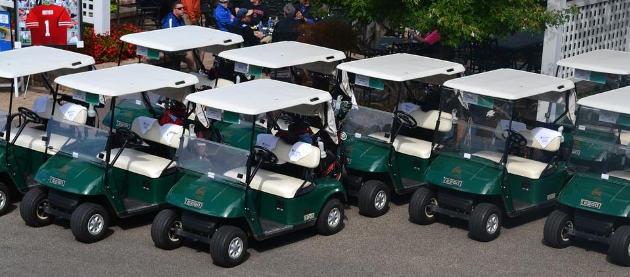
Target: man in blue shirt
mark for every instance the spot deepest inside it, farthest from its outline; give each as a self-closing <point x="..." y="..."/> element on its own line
<point x="174" y="18"/>
<point x="223" y="16"/>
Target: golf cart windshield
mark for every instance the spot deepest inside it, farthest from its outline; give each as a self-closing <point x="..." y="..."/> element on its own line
<point x="80" y="141"/>
<point x="361" y="122"/>
<point x="209" y="158"/>
<point x="600" y="142"/>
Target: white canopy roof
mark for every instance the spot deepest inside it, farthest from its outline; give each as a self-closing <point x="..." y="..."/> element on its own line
<point x="401" y="67"/>
<point x="182" y="38"/>
<point x="282" y="54"/>
<point x="259" y="96"/>
<point x="509" y="84"/>
<point x="39" y="59"/>
<point x="615" y="100"/>
<point x="607" y="61"/>
<point x="127" y="79"/>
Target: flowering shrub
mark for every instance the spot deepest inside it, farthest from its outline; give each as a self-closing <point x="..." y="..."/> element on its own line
<point x="106" y="47"/>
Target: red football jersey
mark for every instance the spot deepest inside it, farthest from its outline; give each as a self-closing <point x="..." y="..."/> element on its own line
<point x="48" y="25"/>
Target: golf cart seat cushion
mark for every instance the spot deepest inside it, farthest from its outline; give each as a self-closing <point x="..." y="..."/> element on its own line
<point x="80" y="118"/>
<point x="428" y="120"/>
<point x="406" y="145"/>
<point x="270" y="182"/>
<point x="283" y="149"/>
<point x="624" y="137"/>
<point x="620" y="174"/>
<point x="154" y="134"/>
<point x="140" y="163"/>
<point x="553" y="146"/>
<point x="516" y="165"/>
<point x="31" y="138"/>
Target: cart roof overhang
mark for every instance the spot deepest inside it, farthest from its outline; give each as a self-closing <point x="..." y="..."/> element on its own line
<point x="401" y="67"/>
<point x="510" y="84"/>
<point x="127" y="79"/>
<point x="283" y="54"/>
<point x="606" y="61"/>
<point x="39" y="59"/>
<point x="259" y="96"/>
<point x="182" y="38"/>
<point x="615" y="100"/>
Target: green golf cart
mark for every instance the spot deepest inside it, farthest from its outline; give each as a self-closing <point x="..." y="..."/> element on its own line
<point x="23" y="143"/>
<point x="595" y="203"/>
<point x="390" y="151"/>
<point x="597" y="71"/>
<point x="96" y="173"/>
<point x="229" y="195"/>
<point x="501" y="156"/>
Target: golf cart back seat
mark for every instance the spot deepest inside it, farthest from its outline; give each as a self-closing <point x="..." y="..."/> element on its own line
<point x="417" y="147"/>
<point x="622" y="174"/>
<point x="145" y="164"/>
<point x="524" y="167"/>
<point x="283" y="149"/>
<point x="34" y="139"/>
<point x="270" y="182"/>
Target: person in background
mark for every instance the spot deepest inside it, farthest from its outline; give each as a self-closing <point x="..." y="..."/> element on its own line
<point x="303" y="9"/>
<point x="193" y="10"/>
<point x="224" y="18"/>
<point x="176" y="19"/>
<point x="429" y="39"/>
<point x="243" y="28"/>
<point x="287" y="28"/>
<point x="260" y="11"/>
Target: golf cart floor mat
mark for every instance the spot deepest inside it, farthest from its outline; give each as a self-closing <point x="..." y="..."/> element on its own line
<point x="132" y="204"/>
<point x="271" y="227"/>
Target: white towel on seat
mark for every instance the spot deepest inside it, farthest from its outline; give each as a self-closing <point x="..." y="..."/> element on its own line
<point x="168" y="130"/>
<point x="71" y="110"/>
<point x="146" y="123"/>
<point x="268" y="141"/>
<point x="544" y="136"/>
<point x="39" y="106"/>
<point x="299" y="151"/>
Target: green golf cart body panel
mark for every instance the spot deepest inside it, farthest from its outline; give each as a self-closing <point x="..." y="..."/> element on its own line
<point x="591" y="193"/>
<point x="367" y="155"/>
<point x="128" y="110"/>
<point x="21" y="163"/>
<point x="475" y="175"/>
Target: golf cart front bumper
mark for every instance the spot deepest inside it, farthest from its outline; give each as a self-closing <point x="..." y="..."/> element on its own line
<point x="61" y="204"/>
<point x="197" y="227"/>
<point x="454" y="205"/>
<point x="591" y="226"/>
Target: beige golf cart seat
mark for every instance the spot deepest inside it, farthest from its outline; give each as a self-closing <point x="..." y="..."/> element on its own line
<point x="275" y="183"/>
<point x="520" y="166"/>
<point x="417" y="147"/>
<point x="142" y="163"/>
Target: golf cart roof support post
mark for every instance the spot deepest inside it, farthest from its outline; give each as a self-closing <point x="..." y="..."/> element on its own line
<point x="437" y="123"/>
<point x="248" y="177"/>
<point x="508" y="144"/>
<point x="122" y="45"/>
<point x="54" y="93"/>
<point x="7" y="128"/>
<point x="570" y="151"/>
<point x="108" y="147"/>
<point x="198" y="60"/>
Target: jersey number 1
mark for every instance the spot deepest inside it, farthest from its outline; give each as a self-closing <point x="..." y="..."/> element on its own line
<point x="47" y="28"/>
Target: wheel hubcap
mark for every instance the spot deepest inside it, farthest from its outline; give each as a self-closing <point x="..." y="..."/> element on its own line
<point x="95" y="224"/>
<point x="427" y="209"/>
<point x="3" y="200"/>
<point x="380" y="199"/>
<point x="172" y="232"/>
<point x="564" y="234"/>
<point x="41" y="214"/>
<point x="493" y="224"/>
<point x="334" y="217"/>
<point x="236" y="248"/>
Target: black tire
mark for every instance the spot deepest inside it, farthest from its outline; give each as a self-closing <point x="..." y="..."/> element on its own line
<point x="89" y="222"/>
<point x="620" y="245"/>
<point x="221" y="243"/>
<point x="369" y="205"/>
<point x="556" y="229"/>
<point x="163" y="230"/>
<point x="5" y="198"/>
<point x="480" y="226"/>
<point x="419" y="206"/>
<point x="31" y="208"/>
<point x="330" y="219"/>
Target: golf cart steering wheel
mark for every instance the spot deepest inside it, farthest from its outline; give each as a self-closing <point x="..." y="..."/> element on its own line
<point x="515" y="138"/>
<point x="405" y="119"/>
<point x="129" y="136"/>
<point x="29" y="115"/>
<point x="265" y="155"/>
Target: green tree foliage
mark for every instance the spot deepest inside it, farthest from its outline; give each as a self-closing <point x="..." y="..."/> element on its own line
<point x="457" y="20"/>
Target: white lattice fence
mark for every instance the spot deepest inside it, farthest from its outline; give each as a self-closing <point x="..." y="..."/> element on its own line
<point x="601" y="24"/>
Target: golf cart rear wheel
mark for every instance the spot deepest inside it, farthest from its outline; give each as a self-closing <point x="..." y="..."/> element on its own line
<point x="5" y="198"/>
<point x="619" y="248"/>
<point x="373" y="198"/>
<point x="164" y="228"/>
<point x="228" y="246"/>
<point x="556" y="232"/>
<point x="420" y="206"/>
<point x="89" y="222"/>
<point x="32" y="208"/>
<point x="485" y="222"/>
<point x="330" y="219"/>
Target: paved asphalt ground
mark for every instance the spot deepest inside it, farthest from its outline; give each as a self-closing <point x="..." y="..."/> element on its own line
<point x="389" y="245"/>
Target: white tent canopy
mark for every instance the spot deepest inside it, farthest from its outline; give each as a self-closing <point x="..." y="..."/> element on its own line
<point x="39" y="59"/>
<point x="401" y="67"/>
<point x="127" y="79"/>
<point x="606" y="61"/>
<point x="614" y="100"/>
<point x="184" y="38"/>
